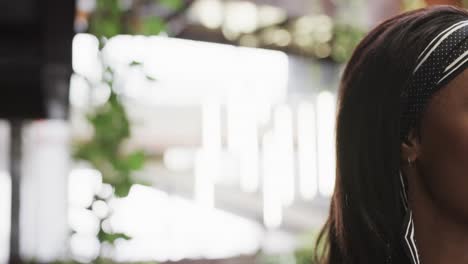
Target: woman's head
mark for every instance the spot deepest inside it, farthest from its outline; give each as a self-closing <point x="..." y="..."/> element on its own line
<point x="366" y="215"/>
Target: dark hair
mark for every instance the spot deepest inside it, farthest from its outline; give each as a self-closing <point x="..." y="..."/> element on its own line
<point x="366" y="214"/>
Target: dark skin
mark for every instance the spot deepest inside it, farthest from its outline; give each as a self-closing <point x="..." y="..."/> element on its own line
<point x="438" y="175"/>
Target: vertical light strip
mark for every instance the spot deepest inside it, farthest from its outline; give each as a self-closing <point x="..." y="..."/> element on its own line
<point x="233" y="112"/>
<point x="211" y="125"/>
<point x="326" y="142"/>
<point x="307" y="150"/>
<point x="44" y="208"/>
<point x="204" y="179"/>
<point x="249" y="153"/>
<point x="208" y="157"/>
<point x="283" y="129"/>
<point x="242" y="135"/>
<point x="5" y="214"/>
<point x="234" y="124"/>
<point x="272" y="204"/>
<point x="5" y="191"/>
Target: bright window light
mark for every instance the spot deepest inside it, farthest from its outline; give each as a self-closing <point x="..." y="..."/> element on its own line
<point x="307" y="150"/>
<point x="283" y="132"/>
<point x="326" y="142"/>
<point x="272" y="202"/>
<point x="5" y="209"/>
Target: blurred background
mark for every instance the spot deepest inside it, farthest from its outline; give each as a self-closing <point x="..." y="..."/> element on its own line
<point x="172" y="131"/>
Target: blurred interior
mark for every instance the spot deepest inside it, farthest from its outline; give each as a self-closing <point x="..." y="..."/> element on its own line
<point x="232" y="104"/>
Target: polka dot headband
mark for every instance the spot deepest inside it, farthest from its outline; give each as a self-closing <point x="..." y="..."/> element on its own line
<point x="444" y="58"/>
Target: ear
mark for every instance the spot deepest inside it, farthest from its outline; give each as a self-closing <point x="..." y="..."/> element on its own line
<point x="410" y="148"/>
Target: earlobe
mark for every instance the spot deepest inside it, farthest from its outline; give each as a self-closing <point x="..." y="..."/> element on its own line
<point x="409" y="148"/>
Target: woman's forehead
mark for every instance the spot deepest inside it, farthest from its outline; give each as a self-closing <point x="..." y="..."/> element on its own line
<point x="456" y="89"/>
<point x="460" y="80"/>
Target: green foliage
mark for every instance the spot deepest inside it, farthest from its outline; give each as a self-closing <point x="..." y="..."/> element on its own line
<point x="106" y="21"/>
<point x="110" y="238"/>
<point x="109" y="121"/>
<point x="135" y="63"/>
<point x="413" y="4"/>
<point x="277" y="259"/>
<point x="103" y="150"/>
<point x="135" y="160"/>
<point x="111" y="129"/>
<point x="151" y="26"/>
<point x="346" y="38"/>
<point x="172" y="4"/>
<point x="307" y="253"/>
<point x="110" y="18"/>
<point x="305" y="256"/>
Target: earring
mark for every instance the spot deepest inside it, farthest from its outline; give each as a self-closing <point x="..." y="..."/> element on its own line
<point x="409" y="161"/>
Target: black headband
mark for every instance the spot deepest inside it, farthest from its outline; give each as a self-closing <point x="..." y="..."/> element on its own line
<point x="441" y="61"/>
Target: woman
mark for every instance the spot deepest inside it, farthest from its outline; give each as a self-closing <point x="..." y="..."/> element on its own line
<point x="401" y="193"/>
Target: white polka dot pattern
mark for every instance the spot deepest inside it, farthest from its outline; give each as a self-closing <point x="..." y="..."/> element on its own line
<point x="443" y="59"/>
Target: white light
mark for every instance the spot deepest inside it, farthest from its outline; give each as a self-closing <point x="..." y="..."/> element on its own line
<point x="211" y="125"/>
<point x="134" y="83"/>
<point x="83" y="184"/>
<point x="106" y="191"/>
<point x="283" y="129"/>
<point x="4" y="141"/>
<point x="192" y="70"/>
<point x="314" y="24"/>
<point x="84" y="248"/>
<point x="326" y="142"/>
<point x="206" y="171"/>
<point x="240" y="17"/>
<point x="267" y="77"/>
<point x="242" y="136"/>
<point x="166" y="227"/>
<point x="100" y="94"/>
<point x="106" y="226"/>
<point x="249" y="40"/>
<point x="100" y="209"/>
<point x="79" y="92"/>
<point x="85" y="59"/>
<point x="279" y="242"/>
<point x="43" y="210"/>
<point x="120" y="51"/>
<point x="234" y="119"/>
<point x="142" y="213"/>
<point x="270" y="15"/>
<point x="276" y="36"/>
<point x="86" y="6"/>
<point x="5" y="210"/>
<point x="208" y="12"/>
<point x="208" y="158"/>
<point x="83" y="221"/>
<point x="5" y="192"/>
<point x="272" y="203"/>
<point x="307" y="150"/>
<point x="178" y="159"/>
<point x="234" y="128"/>
<point x="249" y="156"/>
